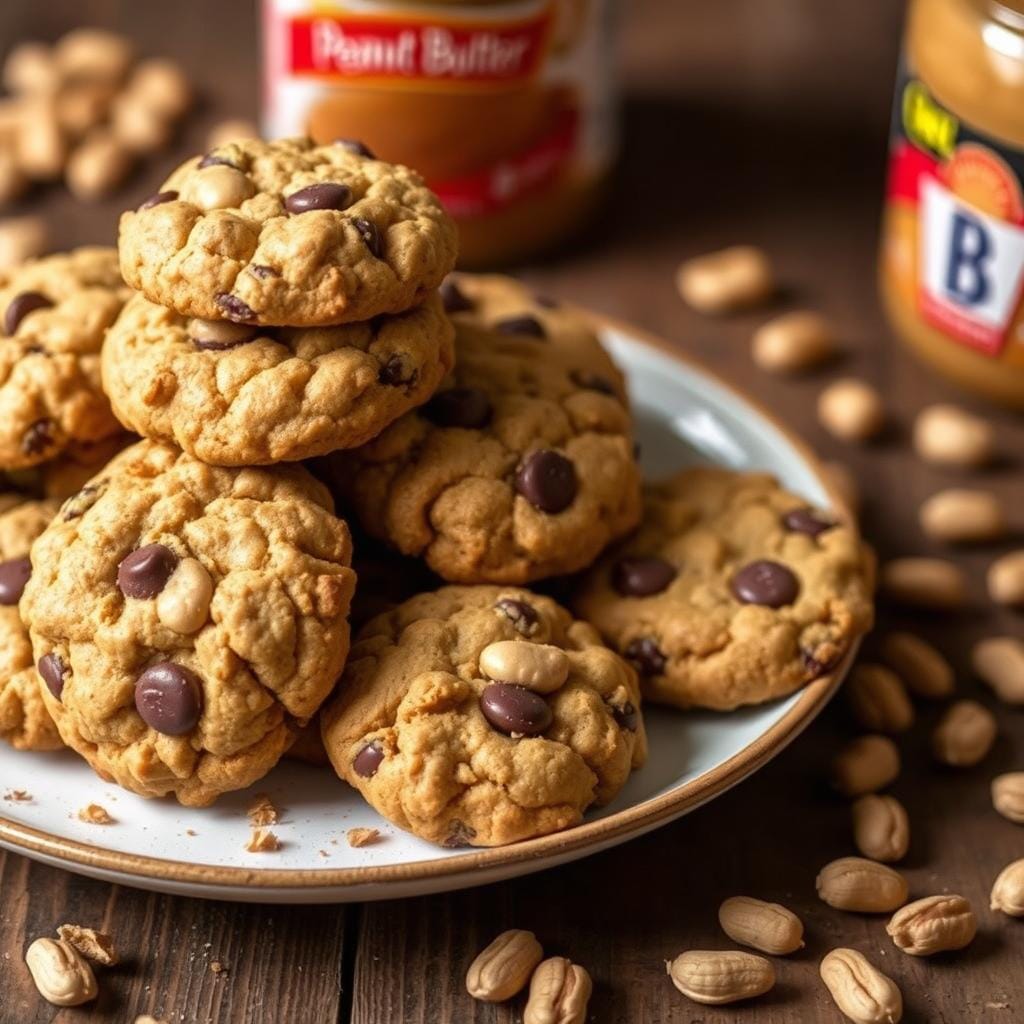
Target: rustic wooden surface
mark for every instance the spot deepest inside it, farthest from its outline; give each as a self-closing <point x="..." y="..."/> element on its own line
<point x="741" y="126"/>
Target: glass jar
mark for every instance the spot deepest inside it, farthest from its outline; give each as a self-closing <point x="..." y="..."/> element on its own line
<point x="952" y="261"/>
<point x="506" y="108"/>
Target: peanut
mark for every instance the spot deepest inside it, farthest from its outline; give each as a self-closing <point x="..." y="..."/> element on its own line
<point x="21" y="239"/>
<point x="97" y="166"/>
<point x="230" y="131"/>
<point x="951" y="436"/>
<point x="93" y="53"/>
<point x="793" y="342"/>
<point x="881" y="829"/>
<point x="502" y="969"/>
<point x="218" y="332"/>
<point x="964" y="734"/>
<point x="840" y="479"/>
<point x="1008" y="796"/>
<point x="83" y="106"/>
<point x="137" y="126"/>
<point x="715" y="978"/>
<point x="925" y="582"/>
<point x="13" y="182"/>
<point x="1005" y="579"/>
<point x="963" y="516"/>
<point x="40" y="147"/>
<point x="879" y="699"/>
<point x="855" y="883"/>
<point x="30" y="68"/>
<point x="184" y="603"/>
<point x="999" y="661"/>
<point x="865" y="765"/>
<point x="851" y="410"/>
<point x="933" y="925"/>
<point x="861" y="991"/>
<point x="161" y="86"/>
<point x="1008" y="890"/>
<point x="559" y="993"/>
<point x="218" y="187"/>
<point x="542" y="668"/>
<point x="924" y="670"/>
<point x="769" y="927"/>
<point x="60" y="973"/>
<point x="729" y="279"/>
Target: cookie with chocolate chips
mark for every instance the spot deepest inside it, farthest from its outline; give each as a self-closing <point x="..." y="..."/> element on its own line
<point x="188" y="620"/>
<point x="237" y="395"/>
<point x="482" y="716"/>
<point x="55" y="312"/>
<point x="732" y="591"/>
<point x="521" y="466"/>
<point x="288" y="233"/>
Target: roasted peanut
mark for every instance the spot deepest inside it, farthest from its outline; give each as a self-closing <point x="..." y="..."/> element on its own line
<point x="83" y="106"/>
<point x="729" y="279"/>
<point x="21" y="239"/>
<point x="504" y="967"/>
<point x="1008" y="890"/>
<point x="769" y="927"/>
<point x="559" y="993"/>
<point x="881" y="829"/>
<point x="840" y="479"/>
<point x="715" y="978"/>
<point x="855" y="883"/>
<point x="1008" y="796"/>
<point x="964" y="734"/>
<point x="865" y="765"/>
<point x="137" y="126"/>
<point x="963" y="516"/>
<point x="951" y="436"/>
<point x="161" y="86"/>
<point x="925" y="582"/>
<point x="218" y="333"/>
<point x="93" y="53"/>
<point x="218" y="187"/>
<point x="933" y="925"/>
<point x="97" y="166"/>
<point x="924" y="670"/>
<point x="793" y="342"/>
<point x="30" y="68"/>
<point x="879" y="699"/>
<point x="184" y="603"/>
<point x="542" y="668"/>
<point x="851" y="410"/>
<point x="61" y="974"/>
<point x="860" y="990"/>
<point x="13" y="182"/>
<point x="230" y="131"/>
<point x="999" y="661"/>
<point x="40" y="147"/>
<point x="1005" y="579"/>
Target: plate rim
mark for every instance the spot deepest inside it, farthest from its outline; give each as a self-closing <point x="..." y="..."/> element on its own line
<point x="600" y="833"/>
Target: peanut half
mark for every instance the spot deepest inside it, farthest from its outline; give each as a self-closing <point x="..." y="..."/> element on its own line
<point x="933" y="925"/>
<point x="854" y="883"/>
<point x="1008" y="890"/>
<point x="925" y="583"/>
<point x="963" y="516"/>
<point x="559" y="993"/>
<point x="865" y="765"/>
<point x="860" y="990"/>
<point x="1008" y="796"/>
<point x="793" y="342"/>
<point x="950" y="436"/>
<point x="1005" y="579"/>
<point x="723" y="281"/>
<point x="878" y="699"/>
<point x="184" y="603"/>
<point x="964" y="734"/>
<point x="851" y="410"/>
<point x="881" y="828"/>
<point x="60" y="973"/>
<point x="999" y="661"/>
<point x="715" y="978"/>
<point x="769" y="927"/>
<point x="542" y="668"/>
<point x="504" y="967"/>
<point x="921" y="667"/>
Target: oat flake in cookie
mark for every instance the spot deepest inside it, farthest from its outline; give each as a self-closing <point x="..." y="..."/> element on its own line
<point x="732" y="591"/>
<point x="480" y="716"/>
<point x="187" y="620"/>
<point x="288" y="232"/>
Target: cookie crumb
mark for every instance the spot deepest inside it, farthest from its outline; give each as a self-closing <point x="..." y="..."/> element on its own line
<point x="217" y="967"/>
<point x="94" y="814"/>
<point x="362" y="836"/>
<point x="145" y="1018"/>
<point x="262" y="811"/>
<point x="191" y="832"/>
<point x="262" y="840"/>
<point x="18" y="796"/>
<point x="93" y="945"/>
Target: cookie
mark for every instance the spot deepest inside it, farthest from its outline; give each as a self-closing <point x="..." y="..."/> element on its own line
<point x="24" y="721"/>
<point x="483" y="716"/>
<point x="522" y="465"/>
<point x="731" y="592"/>
<point x="234" y="395"/>
<point x="55" y="312"/>
<point x="187" y="620"/>
<point x="288" y="233"/>
<point x="78" y="464"/>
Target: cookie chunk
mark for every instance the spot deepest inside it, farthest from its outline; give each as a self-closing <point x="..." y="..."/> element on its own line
<point x="235" y="395"/>
<point x="24" y="721"/>
<point x="288" y="233"/>
<point x="732" y="591"/>
<point x="186" y="620"/>
<point x="55" y="312"/>
<point x="482" y="716"/>
<point x="522" y="465"/>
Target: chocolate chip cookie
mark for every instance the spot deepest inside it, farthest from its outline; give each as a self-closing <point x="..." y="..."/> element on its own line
<point x="24" y="721"/>
<point x="483" y="716"/>
<point x="55" y="312"/>
<point x="732" y="591"/>
<point x="238" y="395"/>
<point x="288" y="233"/>
<point x="522" y="465"/>
<point x="186" y="620"/>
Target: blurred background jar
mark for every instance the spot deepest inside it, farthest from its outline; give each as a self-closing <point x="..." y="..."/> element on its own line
<point x="952" y="266"/>
<point x="508" y="109"/>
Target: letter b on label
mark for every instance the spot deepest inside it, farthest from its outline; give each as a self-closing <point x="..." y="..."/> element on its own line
<point x="970" y="251"/>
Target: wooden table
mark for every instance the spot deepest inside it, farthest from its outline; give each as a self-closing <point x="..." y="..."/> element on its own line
<point x="740" y="127"/>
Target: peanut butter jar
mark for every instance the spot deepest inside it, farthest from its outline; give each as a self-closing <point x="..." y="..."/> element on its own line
<point x="508" y="109"/>
<point x="952" y="261"/>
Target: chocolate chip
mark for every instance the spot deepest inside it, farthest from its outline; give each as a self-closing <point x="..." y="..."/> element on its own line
<point x="641" y="577"/>
<point x="523" y="616"/>
<point x="765" y="583"/>
<point x="646" y="656"/>
<point x="459" y="407"/>
<point x="514" y="709"/>
<point x="20" y="306"/>
<point x="212" y="160"/>
<point x="168" y="698"/>
<point x="38" y="437"/>
<point x="52" y="669"/>
<point x="627" y="716"/>
<point x="158" y="199"/>
<point x="454" y="298"/>
<point x="263" y="272"/>
<point x="234" y="308"/>
<point x="80" y="503"/>
<point x="370" y="234"/>
<point x="325" y="195"/>
<point x="459" y="834"/>
<point x="521" y="325"/>
<point x="357" y="147"/>
<point x="368" y="760"/>
<point x="547" y="480"/>
<point x="807" y="520"/>
<point x="593" y="382"/>
<point x="394" y="374"/>
<point x="145" y="572"/>
<point x="14" y="575"/>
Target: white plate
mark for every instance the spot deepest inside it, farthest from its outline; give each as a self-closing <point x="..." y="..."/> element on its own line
<point x="684" y="416"/>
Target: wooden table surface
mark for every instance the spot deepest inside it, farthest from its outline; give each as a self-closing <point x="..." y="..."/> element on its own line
<point x="740" y="126"/>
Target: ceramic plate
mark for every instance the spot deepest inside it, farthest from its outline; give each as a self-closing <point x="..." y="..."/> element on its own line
<point x="685" y="416"/>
